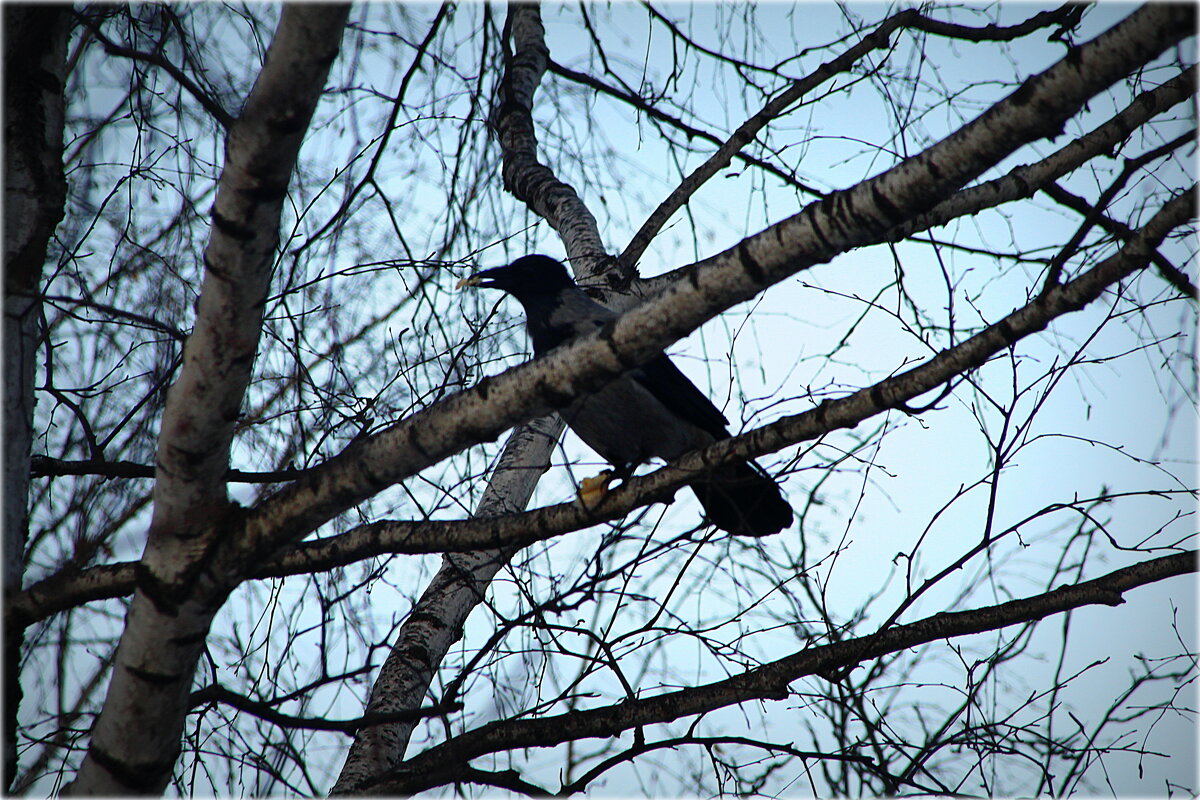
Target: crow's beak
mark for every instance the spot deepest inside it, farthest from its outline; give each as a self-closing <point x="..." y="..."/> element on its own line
<point x="489" y="279"/>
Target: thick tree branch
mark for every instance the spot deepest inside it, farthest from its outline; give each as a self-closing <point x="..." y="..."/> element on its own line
<point x="518" y="530"/>
<point x="444" y="763"/>
<point x="135" y="740"/>
<point x="1064" y="17"/>
<point x="783" y="101"/>
<point x="856" y="217"/>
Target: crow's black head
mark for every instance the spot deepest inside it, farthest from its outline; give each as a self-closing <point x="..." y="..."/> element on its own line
<point x="525" y="278"/>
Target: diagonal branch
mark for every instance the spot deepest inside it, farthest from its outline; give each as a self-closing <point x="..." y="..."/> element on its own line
<point x="782" y="102"/>
<point x="135" y="740"/>
<point x="1169" y="272"/>
<point x="865" y="214"/>
<point x="444" y="763"/>
<point x="518" y="530"/>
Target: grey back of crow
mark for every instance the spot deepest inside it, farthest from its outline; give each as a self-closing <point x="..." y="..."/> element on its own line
<point x="652" y="411"/>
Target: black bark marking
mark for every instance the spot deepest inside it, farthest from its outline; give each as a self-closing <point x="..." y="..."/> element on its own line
<point x="154" y="678"/>
<point x="145" y="777"/>
<point x="192" y="458"/>
<point x="1011" y="337"/>
<point x="606" y="335"/>
<point x="750" y="265"/>
<point x="211" y="267"/>
<point x="264" y="192"/>
<point x="230" y="228"/>
<point x="190" y="639"/>
<point x="877" y="398"/>
<point x="932" y="168"/>
<point x="160" y="594"/>
<point x="417" y="653"/>
<point x="414" y="443"/>
<point x="885" y="205"/>
<point x="1022" y="95"/>
<point x="814" y="214"/>
<point x="292" y="121"/>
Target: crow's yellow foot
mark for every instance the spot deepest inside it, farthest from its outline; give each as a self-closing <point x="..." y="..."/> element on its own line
<point x="593" y="490"/>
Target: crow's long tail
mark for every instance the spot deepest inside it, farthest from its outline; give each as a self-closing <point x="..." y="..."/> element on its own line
<point x="744" y="500"/>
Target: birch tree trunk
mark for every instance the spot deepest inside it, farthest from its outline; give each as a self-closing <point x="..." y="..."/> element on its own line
<point x="867" y="212"/>
<point x="342" y="436"/>
<point x="437" y="620"/>
<point x="136" y="739"/>
<point x="35" y="63"/>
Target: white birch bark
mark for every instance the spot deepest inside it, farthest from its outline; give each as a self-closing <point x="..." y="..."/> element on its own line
<point x="136" y="738"/>
<point x="852" y="218"/>
<point x="35" y="51"/>
<point x="437" y="620"/>
<point x="817" y="234"/>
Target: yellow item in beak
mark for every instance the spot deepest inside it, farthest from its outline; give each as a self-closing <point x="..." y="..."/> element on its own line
<point x="470" y="280"/>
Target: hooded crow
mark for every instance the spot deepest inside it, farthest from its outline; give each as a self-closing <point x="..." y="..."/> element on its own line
<point x="652" y="411"/>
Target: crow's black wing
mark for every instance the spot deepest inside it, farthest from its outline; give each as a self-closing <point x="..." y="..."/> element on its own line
<point x="681" y="397"/>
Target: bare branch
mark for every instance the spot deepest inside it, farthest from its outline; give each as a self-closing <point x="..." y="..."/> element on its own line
<point x="135" y="739"/>
<point x="210" y="103"/>
<point x="441" y="764"/>
<point x="518" y="530"/>
<point x="215" y="693"/>
<point x="782" y="103"/>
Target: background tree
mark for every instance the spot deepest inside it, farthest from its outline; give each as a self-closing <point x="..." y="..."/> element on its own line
<point x="275" y="541"/>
